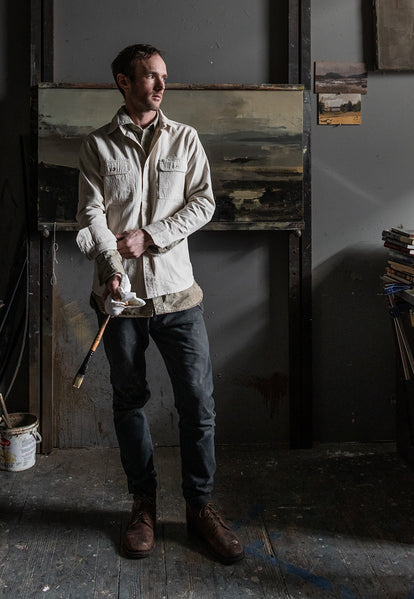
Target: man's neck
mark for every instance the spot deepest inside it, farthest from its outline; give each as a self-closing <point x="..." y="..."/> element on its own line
<point x="142" y="119"/>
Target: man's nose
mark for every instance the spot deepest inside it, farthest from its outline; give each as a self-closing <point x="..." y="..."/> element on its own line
<point x="160" y="83"/>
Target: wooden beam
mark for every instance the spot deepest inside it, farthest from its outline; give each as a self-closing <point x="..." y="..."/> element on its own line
<point x="47" y="65"/>
<point x="294" y="28"/>
<point x="34" y="332"/>
<point x="40" y="261"/>
<point x="300" y="247"/>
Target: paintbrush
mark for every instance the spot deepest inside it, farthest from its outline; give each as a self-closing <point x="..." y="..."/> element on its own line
<point x="6" y="416"/>
<point x="78" y="380"/>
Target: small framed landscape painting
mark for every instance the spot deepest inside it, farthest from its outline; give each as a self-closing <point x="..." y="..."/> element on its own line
<point x="340" y="78"/>
<point x="339" y="109"/>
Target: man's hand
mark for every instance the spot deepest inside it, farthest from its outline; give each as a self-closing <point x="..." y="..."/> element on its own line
<point x="112" y="288"/>
<point x="133" y="243"/>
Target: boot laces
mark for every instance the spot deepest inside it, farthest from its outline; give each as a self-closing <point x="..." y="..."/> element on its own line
<point x="212" y="516"/>
<point x="142" y="513"/>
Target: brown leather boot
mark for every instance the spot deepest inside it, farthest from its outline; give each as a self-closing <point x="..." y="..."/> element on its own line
<point x="138" y="538"/>
<point x="206" y="523"/>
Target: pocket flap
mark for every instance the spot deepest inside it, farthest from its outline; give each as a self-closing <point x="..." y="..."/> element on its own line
<point x="115" y="167"/>
<point x="172" y="164"/>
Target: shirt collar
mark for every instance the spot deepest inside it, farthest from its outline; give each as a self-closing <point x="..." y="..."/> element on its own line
<point x="122" y="118"/>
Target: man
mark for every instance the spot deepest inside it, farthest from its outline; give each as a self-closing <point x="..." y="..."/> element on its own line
<point x="144" y="188"/>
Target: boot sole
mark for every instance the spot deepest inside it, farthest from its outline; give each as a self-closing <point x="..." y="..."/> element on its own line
<point x="137" y="554"/>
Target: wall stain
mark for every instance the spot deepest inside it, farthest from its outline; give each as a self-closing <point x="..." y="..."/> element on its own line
<point x="273" y="390"/>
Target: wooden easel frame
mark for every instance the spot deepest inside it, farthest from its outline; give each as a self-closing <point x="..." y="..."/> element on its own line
<point x="41" y="244"/>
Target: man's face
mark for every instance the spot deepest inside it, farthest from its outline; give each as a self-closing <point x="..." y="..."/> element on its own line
<point x="145" y="93"/>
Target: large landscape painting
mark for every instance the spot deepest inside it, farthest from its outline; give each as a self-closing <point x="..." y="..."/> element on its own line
<point x="253" y="138"/>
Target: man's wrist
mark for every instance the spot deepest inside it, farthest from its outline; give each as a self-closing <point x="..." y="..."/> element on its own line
<point x="147" y="239"/>
<point x="116" y="275"/>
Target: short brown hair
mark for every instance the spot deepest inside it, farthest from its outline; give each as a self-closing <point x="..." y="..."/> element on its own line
<point x="125" y="61"/>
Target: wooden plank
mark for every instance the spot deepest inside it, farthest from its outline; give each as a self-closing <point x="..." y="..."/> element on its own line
<point x="34" y="326"/>
<point x="331" y="526"/>
<point x="378" y="515"/>
<point x="34" y="332"/>
<point x="47" y="46"/>
<point x="213" y="226"/>
<point x="22" y="538"/>
<point x="301" y="410"/>
<point x="305" y="38"/>
<point x="299" y="406"/>
<point x="182" y="86"/>
<point x="35" y="41"/>
<point x="47" y="348"/>
<point x="334" y="522"/>
<point x="299" y="30"/>
<point x="142" y="579"/>
<point x="294" y="48"/>
<point x="66" y="534"/>
<point x="91" y="561"/>
<point x="300" y="249"/>
<point x="190" y="569"/>
<point x="40" y="347"/>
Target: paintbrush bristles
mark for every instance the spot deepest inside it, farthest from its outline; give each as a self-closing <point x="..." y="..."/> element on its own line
<point x="78" y="380"/>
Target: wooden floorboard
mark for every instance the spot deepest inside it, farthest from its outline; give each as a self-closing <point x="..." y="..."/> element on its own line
<point x="334" y="522"/>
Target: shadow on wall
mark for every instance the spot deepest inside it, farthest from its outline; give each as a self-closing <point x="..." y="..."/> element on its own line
<point x="354" y="351"/>
<point x="244" y="277"/>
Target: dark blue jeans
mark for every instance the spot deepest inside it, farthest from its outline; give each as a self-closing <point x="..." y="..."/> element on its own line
<point x="182" y="340"/>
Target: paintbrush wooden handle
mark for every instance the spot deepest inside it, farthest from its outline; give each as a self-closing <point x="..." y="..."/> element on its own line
<point x="99" y="335"/>
<point x="6" y="417"/>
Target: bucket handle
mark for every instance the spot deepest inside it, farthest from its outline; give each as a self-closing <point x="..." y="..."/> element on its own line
<point x="37" y="436"/>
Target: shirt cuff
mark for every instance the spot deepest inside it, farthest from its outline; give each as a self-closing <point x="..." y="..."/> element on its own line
<point x="94" y="240"/>
<point x="109" y="263"/>
<point x="155" y="249"/>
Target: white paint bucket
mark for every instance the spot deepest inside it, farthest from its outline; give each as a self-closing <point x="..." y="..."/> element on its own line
<point x="18" y="443"/>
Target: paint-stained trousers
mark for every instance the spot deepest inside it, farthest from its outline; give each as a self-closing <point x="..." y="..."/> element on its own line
<point x="182" y="340"/>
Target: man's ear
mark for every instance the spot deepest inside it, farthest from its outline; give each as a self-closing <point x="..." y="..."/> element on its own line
<point x="123" y="81"/>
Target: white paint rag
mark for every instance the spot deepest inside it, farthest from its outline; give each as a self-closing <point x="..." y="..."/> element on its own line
<point x="128" y="298"/>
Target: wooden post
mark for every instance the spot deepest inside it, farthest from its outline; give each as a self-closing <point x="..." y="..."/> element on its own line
<point x="40" y="261"/>
<point x="300" y="247"/>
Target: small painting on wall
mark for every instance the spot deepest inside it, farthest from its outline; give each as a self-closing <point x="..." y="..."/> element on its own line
<point x="394" y="34"/>
<point x="340" y="78"/>
<point x="339" y="109"/>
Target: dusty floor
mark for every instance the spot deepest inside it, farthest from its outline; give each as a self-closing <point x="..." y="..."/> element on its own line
<point x="334" y="521"/>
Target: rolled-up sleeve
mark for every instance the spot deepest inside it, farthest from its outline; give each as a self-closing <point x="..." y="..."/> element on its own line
<point x="94" y="236"/>
<point x="199" y="200"/>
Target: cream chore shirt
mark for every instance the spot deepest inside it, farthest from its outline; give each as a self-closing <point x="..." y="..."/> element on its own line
<point x="167" y="192"/>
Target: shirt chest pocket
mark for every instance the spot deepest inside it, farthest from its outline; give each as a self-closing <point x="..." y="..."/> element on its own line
<point x="118" y="181"/>
<point x="171" y="178"/>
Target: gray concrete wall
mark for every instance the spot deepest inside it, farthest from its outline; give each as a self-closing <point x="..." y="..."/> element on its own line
<point x="363" y="182"/>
